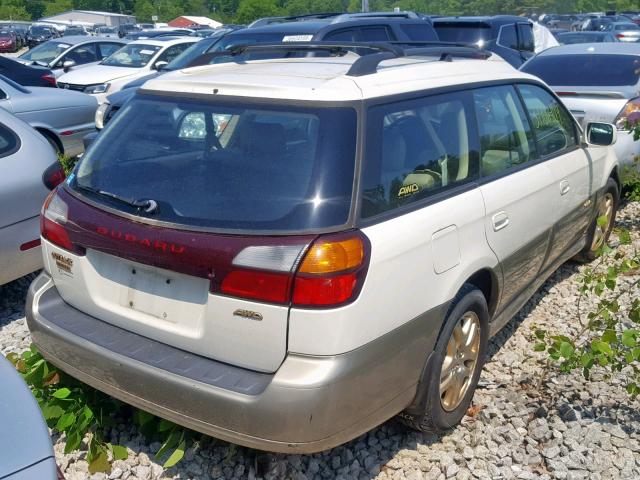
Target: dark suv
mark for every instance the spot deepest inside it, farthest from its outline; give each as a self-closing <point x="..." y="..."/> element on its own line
<point x="509" y="36"/>
<point x="369" y="27"/>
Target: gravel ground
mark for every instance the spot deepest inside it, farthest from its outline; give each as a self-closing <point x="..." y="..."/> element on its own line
<point x="571" y="429"/>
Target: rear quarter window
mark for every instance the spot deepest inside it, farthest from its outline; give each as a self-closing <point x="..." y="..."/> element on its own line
<point x="9" y="141"/>
<point x="418" y="32"/>
<point x="416" y="149"/>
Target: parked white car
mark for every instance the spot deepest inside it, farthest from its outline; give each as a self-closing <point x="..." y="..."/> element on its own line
<point x="598" y="82"/>
<point x="136" y="59"/>
<point x="286" y="253"/>
<point x="63" y="54"/>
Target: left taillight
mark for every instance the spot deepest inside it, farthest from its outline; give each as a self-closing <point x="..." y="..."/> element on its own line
<point x="332" y="271"/>
<point x="51" y="79"/>
<point x="53" y="221"/>
<point x="53" y="176"/>
<point x="629" y="113"/>
<point x="327" y="273"/>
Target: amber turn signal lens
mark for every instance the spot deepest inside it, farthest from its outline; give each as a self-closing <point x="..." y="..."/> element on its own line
<point x="336" y="256"/>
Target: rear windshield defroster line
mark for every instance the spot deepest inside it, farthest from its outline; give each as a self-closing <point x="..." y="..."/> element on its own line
<point x="239" y="167"/>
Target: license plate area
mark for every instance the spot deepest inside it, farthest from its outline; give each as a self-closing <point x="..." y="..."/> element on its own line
<point x="159" y="293"/>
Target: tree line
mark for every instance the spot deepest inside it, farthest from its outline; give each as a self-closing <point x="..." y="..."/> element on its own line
<point x="245" y="11"/>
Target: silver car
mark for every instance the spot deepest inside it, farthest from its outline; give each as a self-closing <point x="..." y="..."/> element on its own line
<point x="624" y="31"/>
<point x="26" y="452"/>
<point x="62" y="54"/>
<point x="28" y="162"/>
<point x="598" y="82"/>
<point x="63" y="117"/>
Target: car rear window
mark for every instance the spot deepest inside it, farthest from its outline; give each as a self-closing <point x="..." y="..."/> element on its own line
<point x="236" y="166"/>
<point x="463" y="32"/>
<point x="585" y="70"/>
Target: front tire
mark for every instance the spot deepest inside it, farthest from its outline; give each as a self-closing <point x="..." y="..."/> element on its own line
<point x="598" y="235"/>
<point x="456" y="365"/>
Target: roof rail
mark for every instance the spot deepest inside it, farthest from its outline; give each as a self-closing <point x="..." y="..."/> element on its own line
<point x="365" y="15"/>
<point x="335" y="49"/>
<point x="261" y="22"/>
<point x="365" y="64"/>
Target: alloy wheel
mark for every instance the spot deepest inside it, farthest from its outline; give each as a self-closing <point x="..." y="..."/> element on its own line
<point x="460" y="361"/>
<point x="605" y="209"/>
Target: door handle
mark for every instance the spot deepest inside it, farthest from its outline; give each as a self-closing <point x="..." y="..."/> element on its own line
<point x="564" y="187"/>
<point x="500" y="220"/>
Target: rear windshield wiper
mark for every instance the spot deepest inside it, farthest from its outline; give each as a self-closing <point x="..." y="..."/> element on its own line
<point x="149" y="206"/>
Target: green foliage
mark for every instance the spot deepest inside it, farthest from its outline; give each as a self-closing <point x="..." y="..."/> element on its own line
<point x="250" y="10"/>
<point x="57" y="6"/>
<point x="630" y="176"/>
<point x="14" y="10"/>
<point x="67" y="163"/>
<point x="230" y="10"/>
<point x="78" y="411"/>
<point x="610" y="335"/>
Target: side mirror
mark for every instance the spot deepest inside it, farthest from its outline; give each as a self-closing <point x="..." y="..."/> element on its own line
<point x="88" y="139"/>
<point x="160" y="65"/>
<point x="600" y="134"/>
<point x="68" y="65"/>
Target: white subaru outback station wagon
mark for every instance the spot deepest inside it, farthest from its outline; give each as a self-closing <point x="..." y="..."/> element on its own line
<point x="286" y="253"/>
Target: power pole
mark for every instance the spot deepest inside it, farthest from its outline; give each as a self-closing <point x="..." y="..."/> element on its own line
<point x="365" y="5"/>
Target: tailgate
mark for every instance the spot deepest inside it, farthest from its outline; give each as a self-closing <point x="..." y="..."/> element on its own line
<point x="590" y="107"/>
<point x="158" y="283"/>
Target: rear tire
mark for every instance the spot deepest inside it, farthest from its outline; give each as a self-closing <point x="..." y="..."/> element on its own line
<point x="597" y="235"/>
<point x="456" y="365"/>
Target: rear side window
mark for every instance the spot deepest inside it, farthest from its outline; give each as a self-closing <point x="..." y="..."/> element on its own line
<point x="83" y="54"/>
<point x="375" y="34"/>
<point x="553" y="127"/>
<point x="525" y="34"/>
<point x="9" y="141"/>
<point x="172" y="52"/>
<point x="508" y="37"/>
<point x="416" y="149"/>
<point x="506" y="139"/>
<point x="107" y="49"/>
<point x="237" y="166"/>
<point x="418" y="32"/>
<point x="599" y="70"/>
<point x="347" y="35"/>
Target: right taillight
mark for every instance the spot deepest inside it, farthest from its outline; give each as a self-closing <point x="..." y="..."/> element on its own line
<point x="629" y="113"/>
<point x="53" y="219"/>
<point x="49" y="78"/>
<point x="327" y="273"/>
<point x="53" y="176"/>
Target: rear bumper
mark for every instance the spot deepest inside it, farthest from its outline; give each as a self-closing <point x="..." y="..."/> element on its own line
<point x="310" y="404"/>
<point x="73" y="144"/>
<point x="15" y="263"/>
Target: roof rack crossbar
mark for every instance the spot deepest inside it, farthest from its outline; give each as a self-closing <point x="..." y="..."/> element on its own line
<point x="368" y="64"/>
